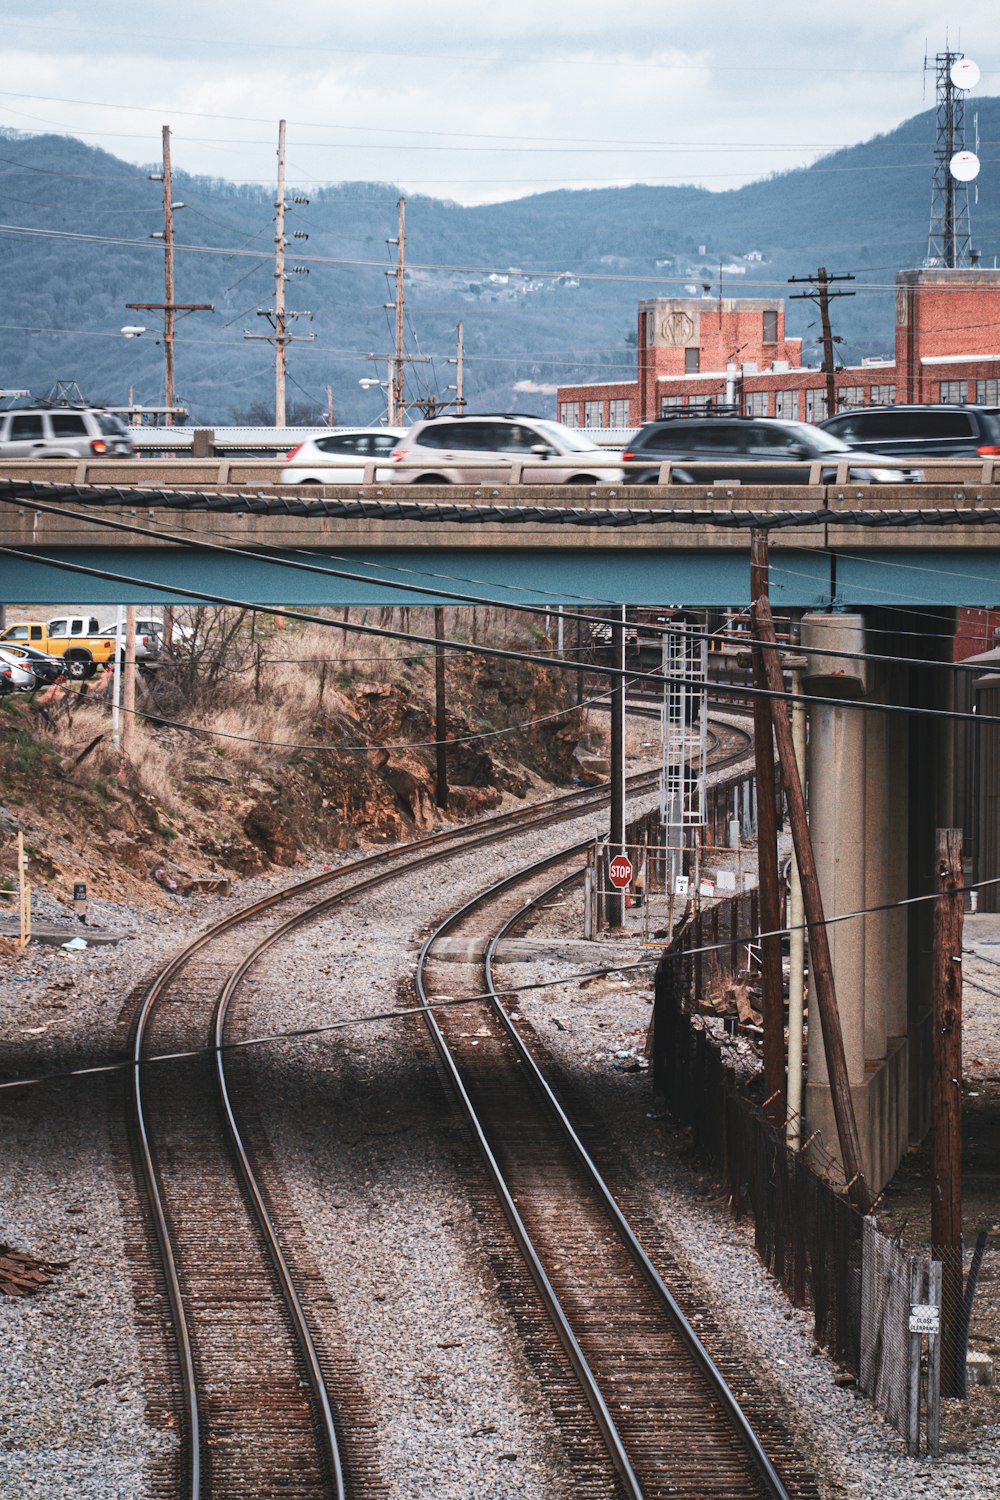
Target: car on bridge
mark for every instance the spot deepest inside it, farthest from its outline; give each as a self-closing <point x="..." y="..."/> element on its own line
<point x="340" y="457"/>
<point x="484" y="450"/>
<point x="63" y="432"/>
<point x="751" y="450"/>
<point x="920" y="431"/>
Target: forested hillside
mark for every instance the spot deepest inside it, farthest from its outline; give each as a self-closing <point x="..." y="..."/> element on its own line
<point x="863" y="210"/>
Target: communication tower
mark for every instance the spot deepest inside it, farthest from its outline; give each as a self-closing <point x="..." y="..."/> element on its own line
<point x="949" y="242"/>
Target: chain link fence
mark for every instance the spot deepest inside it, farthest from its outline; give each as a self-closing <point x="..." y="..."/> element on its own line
<point x="898" y="1320"/>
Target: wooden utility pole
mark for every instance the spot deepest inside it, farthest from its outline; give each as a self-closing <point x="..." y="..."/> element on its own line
<point x="396" y="407"/>
<point x="440" y="714"/>
<point x="128" y="684"/>
<point x="168" y="306"/>
<point x="279" y="285"/>
<point x="616" y="898"/>
<point x="767" y="861"/>
<point x="822" y="294"/>
<point x="460" y="370"/>
<point x="823" y="990"/>
<point x="946" y="1096"/>
<point x="278" y="316"/>
<point x="168" y="277"/>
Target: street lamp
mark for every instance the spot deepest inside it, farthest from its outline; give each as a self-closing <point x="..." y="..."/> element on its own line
<point x="132" y="331"/>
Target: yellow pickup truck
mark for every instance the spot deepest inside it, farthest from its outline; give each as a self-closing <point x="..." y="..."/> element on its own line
<point x="76" y="638"/>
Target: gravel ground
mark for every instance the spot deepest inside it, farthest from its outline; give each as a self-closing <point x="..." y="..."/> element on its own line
<point x="368" y="1137"/>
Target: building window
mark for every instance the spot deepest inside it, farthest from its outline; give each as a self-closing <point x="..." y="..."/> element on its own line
<point x="953" y="391"/>
<point x="850" y="396"/>
<point x="618" y="413"/>
<point x="786" y="404"/>
<point x="569" y="413"/>
<point x="756" y="404"/>
<point x="593" y="414"/>
<point x="692" y="361"/>
<point x="815" y="405"/>
<point x="670" y="404"/>
<point x="771" y="326"/>
<point x="988" y="392"/>
<point x="883" y="395"/>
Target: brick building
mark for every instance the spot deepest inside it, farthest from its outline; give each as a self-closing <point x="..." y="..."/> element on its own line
<point x="695" y="351"/>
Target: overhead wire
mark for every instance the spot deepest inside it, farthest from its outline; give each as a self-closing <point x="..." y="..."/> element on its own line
<point x="451" y="1002"/>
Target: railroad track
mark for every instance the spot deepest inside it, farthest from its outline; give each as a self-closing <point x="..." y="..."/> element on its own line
<point x="643" y="1410"/>
<point x="260" y="1384"/>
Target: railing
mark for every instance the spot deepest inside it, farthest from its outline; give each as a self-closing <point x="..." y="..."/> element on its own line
<point x="177" y="469"/>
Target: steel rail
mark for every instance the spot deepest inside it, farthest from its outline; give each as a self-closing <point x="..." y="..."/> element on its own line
<point x="434" y="845"/>
<point x="704" y="1359"/>
<point x="588" y="1382"/>
<point x="431" y="847"/>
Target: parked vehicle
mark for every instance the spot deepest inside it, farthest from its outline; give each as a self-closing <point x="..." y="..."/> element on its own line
<point x="76" y="638"/>
<point x="923" y="431"/>
<point x="47" y="669"/>
<point x="482" y="449"/>
<point x="148" y="644"/>
<point x="63" y="432"/>
<point x="340" y="457"/>
<point x="751" y="450"/>
<point x="16" y="674"/>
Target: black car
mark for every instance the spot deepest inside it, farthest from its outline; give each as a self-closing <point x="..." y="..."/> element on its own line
<point x="920" y="431"/>
<point x="47" y="669"/>
<point x="751" y="450"/>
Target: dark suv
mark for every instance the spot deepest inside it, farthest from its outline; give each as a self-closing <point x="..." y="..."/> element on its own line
<point x="920" y="431"/>
<point x="751" y="450"/>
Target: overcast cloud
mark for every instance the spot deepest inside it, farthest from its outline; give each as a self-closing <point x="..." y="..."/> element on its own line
<point x="480" y="103"/>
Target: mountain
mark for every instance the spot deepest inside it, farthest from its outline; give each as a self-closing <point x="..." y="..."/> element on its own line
<point x="863" y="210"/>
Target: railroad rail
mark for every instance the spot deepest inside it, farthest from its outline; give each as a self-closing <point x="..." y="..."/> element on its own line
<point x="667" y="1418"/>
<point x="261" y="1392"/>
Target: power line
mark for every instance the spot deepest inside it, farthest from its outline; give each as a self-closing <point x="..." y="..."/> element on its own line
<point x="450" y="1002"/>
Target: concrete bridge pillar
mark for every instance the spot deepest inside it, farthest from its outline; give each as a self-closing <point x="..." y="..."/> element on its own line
<point x="857" y="800"/>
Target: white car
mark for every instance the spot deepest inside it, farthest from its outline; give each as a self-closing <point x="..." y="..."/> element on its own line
<point x="483" y="449"/>
<point x="340" y="457"/>
<point x="15" y="674"/>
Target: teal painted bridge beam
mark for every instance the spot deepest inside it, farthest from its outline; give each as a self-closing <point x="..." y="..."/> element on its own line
<point x="515" y="575"/>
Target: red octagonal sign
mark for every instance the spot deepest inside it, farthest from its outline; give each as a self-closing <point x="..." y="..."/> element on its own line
<point x="620" y="871"/>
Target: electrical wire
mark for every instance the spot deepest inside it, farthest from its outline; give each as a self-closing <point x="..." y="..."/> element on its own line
<point x="448" y="1003"/>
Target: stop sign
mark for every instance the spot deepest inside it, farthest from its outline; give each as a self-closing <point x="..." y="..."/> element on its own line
<point x="620" y="871"/>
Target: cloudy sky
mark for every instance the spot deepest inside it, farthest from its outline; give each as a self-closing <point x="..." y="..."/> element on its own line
<point x="482" y="102"/>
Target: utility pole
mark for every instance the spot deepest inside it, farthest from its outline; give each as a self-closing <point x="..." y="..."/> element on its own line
<point x="397" y="368"/>
<point x="616" y="898"/>
<point x="821" y="293"/>
<point x="767" y="859"/>
<point x="459" y="386"/>
<point x="279" y="285"/>
<point x="440" y="714"/>
<point x="277" y="315"/>
<point x="168" y="306"/>
<point x="946" y="1097"/>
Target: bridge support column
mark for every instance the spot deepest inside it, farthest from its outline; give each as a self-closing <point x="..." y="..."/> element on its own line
<point x="853" y="801"/>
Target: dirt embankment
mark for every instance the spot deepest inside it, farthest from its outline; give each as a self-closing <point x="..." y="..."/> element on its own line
<point x="335" y="762"/>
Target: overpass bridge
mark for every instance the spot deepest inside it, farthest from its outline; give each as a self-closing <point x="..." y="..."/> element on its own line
<point x="875" y="571"/>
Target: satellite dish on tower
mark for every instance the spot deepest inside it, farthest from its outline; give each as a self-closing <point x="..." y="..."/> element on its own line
<point x="964" y="166"/>
<point x="964" y="73"/>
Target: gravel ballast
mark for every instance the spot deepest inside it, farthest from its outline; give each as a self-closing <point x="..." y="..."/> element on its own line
<point x="365" y="1135"/>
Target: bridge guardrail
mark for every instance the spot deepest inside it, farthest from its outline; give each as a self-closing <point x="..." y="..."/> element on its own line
<point x="199" y="472"/>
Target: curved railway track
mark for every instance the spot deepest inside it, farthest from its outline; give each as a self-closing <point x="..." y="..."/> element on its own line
<point x="268" y="1401"/>
<point x="652" y="1397"/>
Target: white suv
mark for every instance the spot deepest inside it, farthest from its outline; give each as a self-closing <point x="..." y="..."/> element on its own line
<point x="485" y="450"/>
<point x="63" y="432"/>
